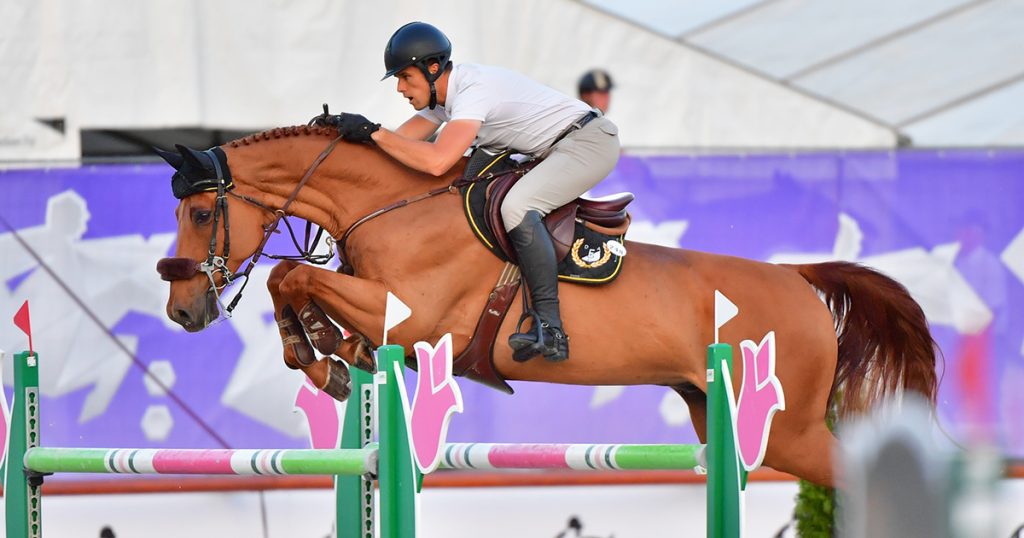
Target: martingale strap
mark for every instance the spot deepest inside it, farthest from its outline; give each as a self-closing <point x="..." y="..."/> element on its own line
<point x="477" y="360"/>
<point x="346" y="267"/>
<point x="460" y="183"/>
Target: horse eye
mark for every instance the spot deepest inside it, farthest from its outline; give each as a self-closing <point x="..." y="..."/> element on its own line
<point x="201" y="217"/>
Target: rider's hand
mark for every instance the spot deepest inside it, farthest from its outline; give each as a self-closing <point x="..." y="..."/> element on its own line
<point x="354" y="127"/>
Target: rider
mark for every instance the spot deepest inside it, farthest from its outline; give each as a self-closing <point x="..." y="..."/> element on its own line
<point x="498" y="110"/>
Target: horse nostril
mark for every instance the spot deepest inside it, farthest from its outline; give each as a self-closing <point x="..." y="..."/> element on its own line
<point x="183" y="317"/>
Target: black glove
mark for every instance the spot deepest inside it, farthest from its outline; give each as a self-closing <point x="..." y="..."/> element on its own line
<point x="351" y="127"/>
<point x="354" y="127"/>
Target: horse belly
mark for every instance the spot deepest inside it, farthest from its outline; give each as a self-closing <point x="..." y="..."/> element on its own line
<point x="643" y="328"/>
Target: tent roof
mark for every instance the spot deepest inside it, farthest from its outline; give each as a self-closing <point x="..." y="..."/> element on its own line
<point x="239" y="65"/>
<point x="938" y="71"/>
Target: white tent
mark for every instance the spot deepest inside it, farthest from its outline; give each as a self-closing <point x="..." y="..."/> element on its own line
<point x="941" y="72"/>
<point x="235" y="64"/>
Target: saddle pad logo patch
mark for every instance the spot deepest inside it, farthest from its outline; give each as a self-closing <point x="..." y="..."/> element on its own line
<point x="589" y="257"/>
<point x="593" y="257"/>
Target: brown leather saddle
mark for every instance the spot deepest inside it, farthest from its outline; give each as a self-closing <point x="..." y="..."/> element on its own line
<point x="607" y="214"/>
<point x="605" y="217"/>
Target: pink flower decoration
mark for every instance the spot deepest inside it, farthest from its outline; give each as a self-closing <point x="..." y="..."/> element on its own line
<point x="760" y="397"/>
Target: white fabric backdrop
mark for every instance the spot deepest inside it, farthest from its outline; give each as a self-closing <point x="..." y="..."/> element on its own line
<point x="250" y="65"/>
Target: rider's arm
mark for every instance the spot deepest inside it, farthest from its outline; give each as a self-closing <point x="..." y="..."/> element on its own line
<point x="434" y="158"/>
<point x="417" y="128"/>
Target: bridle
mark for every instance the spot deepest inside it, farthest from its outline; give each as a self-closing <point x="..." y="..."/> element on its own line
<point x="172" y="269"/>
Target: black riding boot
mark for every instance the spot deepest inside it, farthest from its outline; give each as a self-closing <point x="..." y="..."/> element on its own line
<point x="539" y="268"/>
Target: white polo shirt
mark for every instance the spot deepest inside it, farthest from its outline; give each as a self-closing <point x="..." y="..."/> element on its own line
<point x="516" y="112"/>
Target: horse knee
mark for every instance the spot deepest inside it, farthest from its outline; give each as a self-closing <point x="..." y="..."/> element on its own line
<point x="278" y="273"/>
<point x="297" y="282"/>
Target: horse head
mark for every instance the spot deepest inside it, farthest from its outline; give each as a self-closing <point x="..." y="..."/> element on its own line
<point x="218" y="230"/>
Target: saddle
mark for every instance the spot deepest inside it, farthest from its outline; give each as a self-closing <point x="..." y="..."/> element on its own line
<point x="591" y="230"/>
<point x="588" y="236"/>
<point x="606" y="215"/>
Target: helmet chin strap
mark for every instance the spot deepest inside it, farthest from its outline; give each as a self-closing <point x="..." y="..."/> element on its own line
<point x="431" y="78"/>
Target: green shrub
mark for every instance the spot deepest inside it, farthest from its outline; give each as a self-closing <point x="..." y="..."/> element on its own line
<point x="815" y="511"/>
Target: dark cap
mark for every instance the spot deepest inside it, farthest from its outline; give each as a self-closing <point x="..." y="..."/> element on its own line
<point x="595" y="80"/>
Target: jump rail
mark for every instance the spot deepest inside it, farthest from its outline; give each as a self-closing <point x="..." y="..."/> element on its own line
<point x="197" y="461"/>
<point x="362" y="459"/>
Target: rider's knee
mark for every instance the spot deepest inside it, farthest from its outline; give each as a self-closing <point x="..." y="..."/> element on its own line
<point x="510" y="215"/>
<point x="513" y="214"/>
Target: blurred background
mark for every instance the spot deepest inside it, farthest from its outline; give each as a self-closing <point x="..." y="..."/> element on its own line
<point x="884" y="132"/>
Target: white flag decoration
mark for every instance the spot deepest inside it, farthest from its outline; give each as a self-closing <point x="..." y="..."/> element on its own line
<point x="394" y="313"/>
<point x="724" y="311"/>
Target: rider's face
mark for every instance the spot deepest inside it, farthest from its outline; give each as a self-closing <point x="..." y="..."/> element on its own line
<point x="413" y="85"/>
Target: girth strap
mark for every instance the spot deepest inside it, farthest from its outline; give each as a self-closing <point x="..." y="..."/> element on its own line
<point x="477" y="360"/>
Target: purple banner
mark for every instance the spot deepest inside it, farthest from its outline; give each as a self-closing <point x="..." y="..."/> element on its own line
<point x="947" y="224"/>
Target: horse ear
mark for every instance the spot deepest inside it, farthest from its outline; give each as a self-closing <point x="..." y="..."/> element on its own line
<point x="191" y="156"/>
<point x="173" y="159"/>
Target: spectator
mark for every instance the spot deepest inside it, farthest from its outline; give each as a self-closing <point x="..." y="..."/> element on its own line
<point x="595" y="89"/>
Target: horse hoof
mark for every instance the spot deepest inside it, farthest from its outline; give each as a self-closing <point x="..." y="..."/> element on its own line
<point x="324" y="336"/>
<point x="339" y="382"/>
<point x="363" y="358"/>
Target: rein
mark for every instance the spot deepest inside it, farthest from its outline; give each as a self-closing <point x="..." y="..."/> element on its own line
<point x="280" y="214"/>
<point x="171" y="269"/>
<point x="453" y="188"/>
<point x="346" y="267"/>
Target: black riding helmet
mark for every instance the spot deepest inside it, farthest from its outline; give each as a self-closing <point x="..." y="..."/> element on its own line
<point x="595" y="80"/>
<point x="419" y="44"/>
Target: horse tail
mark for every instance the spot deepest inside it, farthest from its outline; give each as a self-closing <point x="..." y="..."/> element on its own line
<point x="885" y="347"/>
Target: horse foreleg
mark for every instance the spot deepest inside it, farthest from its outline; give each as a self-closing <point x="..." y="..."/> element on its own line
<point x="326" y="374"/>
<point x="320" y="296"/>
<point x="297" y="351"/>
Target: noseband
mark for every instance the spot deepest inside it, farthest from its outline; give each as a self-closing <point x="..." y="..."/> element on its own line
<point x="172" y="269"/>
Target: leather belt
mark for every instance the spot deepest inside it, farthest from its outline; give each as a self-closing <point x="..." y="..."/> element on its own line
<point x="576" y="125"/>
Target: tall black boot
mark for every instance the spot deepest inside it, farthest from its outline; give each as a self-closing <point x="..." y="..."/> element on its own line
<point x="539" y="268"/>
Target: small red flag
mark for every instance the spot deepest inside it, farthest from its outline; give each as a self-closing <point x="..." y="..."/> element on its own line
<point x="22" y="322"/>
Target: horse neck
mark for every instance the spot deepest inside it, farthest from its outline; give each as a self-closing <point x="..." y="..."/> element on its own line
<point x="352" y="182"/>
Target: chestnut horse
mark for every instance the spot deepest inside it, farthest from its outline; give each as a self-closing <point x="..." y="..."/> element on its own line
<point x="650" y="326"/>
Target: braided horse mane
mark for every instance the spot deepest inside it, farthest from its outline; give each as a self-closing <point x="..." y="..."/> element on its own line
<point x="283" y="132"/>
